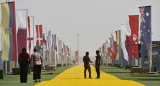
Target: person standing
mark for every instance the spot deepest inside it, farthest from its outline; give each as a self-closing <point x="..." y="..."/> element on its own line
<point x="37" y="63"/>
<point x="24" y="61"/>
<point x="97" y="64"/>
<point x="86" y="61"/>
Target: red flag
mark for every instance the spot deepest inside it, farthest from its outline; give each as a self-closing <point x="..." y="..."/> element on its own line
<point x="30" y="36"/>
<point x="14" y="33"/>
<point x="134" y="24"/>
<point x="22" y="29"/>
<point x="37" y="31"/>
<point x="114" y="49"/>
<point x="39" y="41"/>
<point x="128" y="47"/>
<point x="52" y="41"/>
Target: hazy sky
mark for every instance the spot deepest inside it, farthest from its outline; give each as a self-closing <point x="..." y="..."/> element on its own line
<point x="94" y="20"/>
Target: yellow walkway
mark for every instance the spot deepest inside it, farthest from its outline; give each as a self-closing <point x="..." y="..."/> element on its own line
<point x="75" y="77"/>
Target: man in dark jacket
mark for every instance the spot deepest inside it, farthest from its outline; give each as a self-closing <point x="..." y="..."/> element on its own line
<point x="24" y="60"/>
<point x="86" y="61"/>
<point x="97" y="64"/>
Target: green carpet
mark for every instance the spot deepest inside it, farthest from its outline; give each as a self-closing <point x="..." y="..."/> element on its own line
<point x="146" y="79"/>
<point x="47" y="75"/>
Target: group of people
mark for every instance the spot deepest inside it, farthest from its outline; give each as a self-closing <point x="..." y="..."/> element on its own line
<point x="25" y="60"/>
<point x="87" y="60"/>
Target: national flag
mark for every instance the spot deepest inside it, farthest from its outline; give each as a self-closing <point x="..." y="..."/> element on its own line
<point x="45" y="38"/>
<point x="68" y="51"/>
<point x="30" y="35"/>
<point x="118" y="37"/>
<point x="134" y="25"/>
<point x="58" y="57"/>
<point x="49" y="45"/>
<point x="22" y="29"/>
<point x="60" y="46"/>
<point x="128" y="42"/>
<point x="125" y="31"/>
<point x="111" y="47"/>
<point x="39" y="33"/>
<point x="128" y="47"/>
<point x="64" y="49"/>
<point x="8" y="28"/>
<point x="114" y="47"/>
<point x="76" y="55"/>
<point x="52" y="41"/>
<point x="55" y="42"/>
<point x="107" y="49"/>
<point x="104" y="51"/>
<point x="145" y="28"/>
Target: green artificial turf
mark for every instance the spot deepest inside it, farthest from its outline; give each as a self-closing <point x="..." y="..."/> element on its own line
<point x="9" y="80"/>
<point x="124" y="74"/>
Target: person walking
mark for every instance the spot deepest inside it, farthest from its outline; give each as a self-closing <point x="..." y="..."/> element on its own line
<point x="97" y="64"/>
<point x="24" y="61"/>
<point x="86" y="61"/>
<point x="37" y="63"/>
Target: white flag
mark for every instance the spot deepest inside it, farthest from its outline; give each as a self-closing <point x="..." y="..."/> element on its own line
<point x="125" y="31"/>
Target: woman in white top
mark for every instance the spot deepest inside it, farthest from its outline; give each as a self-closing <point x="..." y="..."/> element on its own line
<point x="37" y="63"/>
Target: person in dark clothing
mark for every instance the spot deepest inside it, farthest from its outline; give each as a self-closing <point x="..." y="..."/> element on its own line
<point x="97" y="64"/>
<point x="86" y="61"/>
<point x="24" y="61"/>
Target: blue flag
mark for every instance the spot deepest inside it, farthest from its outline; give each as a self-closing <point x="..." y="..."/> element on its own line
<point x="145" y="28"/>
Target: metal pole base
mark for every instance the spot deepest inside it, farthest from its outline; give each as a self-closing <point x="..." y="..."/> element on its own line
<point x="151" y="73"/>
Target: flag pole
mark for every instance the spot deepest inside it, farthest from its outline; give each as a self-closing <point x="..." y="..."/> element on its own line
<point x="150" y="70"/>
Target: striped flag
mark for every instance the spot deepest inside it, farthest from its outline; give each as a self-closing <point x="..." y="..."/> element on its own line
<point x="22" y="29"/>
<point x="8" y="28"/>
<point x="39" y="33"/>
<point x="118" y="37"/>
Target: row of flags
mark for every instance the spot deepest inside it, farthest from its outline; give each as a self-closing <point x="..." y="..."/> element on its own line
<point x="124" y="42"/>
<point x="27" y="35"/>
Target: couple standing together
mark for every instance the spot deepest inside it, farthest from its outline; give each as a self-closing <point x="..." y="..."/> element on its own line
<point x="86" y="61"/>
<point x="24" y="61"/>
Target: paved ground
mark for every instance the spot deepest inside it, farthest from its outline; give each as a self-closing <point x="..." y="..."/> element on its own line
<point x="74" y="77"/>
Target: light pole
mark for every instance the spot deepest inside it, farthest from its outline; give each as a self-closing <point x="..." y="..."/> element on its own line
<point x="78" y="46"/>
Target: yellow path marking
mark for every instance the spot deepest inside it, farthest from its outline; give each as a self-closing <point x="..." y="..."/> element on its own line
<point x="75" y="77"/>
